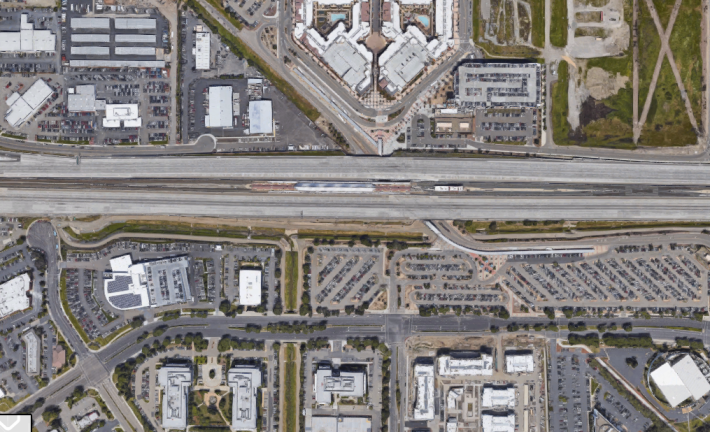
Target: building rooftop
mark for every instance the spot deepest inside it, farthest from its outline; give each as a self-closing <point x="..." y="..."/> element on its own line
<point x="32" y="365"/>
<point x="477" y="364"/>
<point x="92" y="37"/>
<point x="59" y="356"/>
<point x="135" y="38"/>
<point x="498" y="423"/>
<point x="14" y="295"/>
<point x="23" y="107"/>
<point x="176" y="381"/>
<point x="90" y="50"/>
<point x="117" y="63"/>
<point x="250" y="287"/>
<point x="424" y="407"/>
<point x="341" y="424"/>
<point x="487" y="84"/>
<point x="680" y="380"/>
<point x="202" y="51"/>
<point x="83" y="99"/>
<point x="519" y="363"/>
<point x="220" y="108"/>
<point x="245" y="382"/>
<point x="134" y="50"/>
<point x="153" y="283"/>
<point x="134" y="23"/>
<point x="498" y="397"/>
<point x="329" y="382"/>
<point x="261" y="120"/>
<point x="90" y="23"/>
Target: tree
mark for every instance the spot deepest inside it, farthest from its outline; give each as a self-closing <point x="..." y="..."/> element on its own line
<point x="632" y="362"/>
<point x="51" y="413"/>
<point x="225" y="344"/>
<point x="503" y="313"/>
<point x="628" y="327"/>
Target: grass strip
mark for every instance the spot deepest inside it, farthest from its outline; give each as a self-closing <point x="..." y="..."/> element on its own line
<point x="558" y="30"/>
<point x="291" y="385"/>
<point x="238" y="47"/>
<point x="291" y="283"/>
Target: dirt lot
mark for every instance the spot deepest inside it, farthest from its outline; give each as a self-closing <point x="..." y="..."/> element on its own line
<point x="423" y="345"/>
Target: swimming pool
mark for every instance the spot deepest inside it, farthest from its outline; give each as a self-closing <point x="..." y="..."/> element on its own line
<point x="424" y="20"/>
<point x="336" y="17"/>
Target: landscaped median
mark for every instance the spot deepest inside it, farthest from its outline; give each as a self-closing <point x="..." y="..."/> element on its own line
<point x="176" y="228"/>
<point x="97" y="343"/>
<point x="241" y="49"/>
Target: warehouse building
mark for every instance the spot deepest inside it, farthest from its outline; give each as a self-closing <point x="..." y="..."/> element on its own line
<point x="244" y="382"/>
<point x="340" y="424"/>
<point x="134" y="50"/>
<point x="498" y="397"/>
<point x="134" y="24"/>
<point x="498" y="423"/>
<point x="90" y="38"/>
<point x="424" y="406"/>
<point x="90" y="24"/>
<point x="487" y="84"/>
<point x="680" y="379"/>
<point x="135" y="38"/>
<point x="175" y="380"/>
<point x="21" y="108"/>
<point x="27" y="39"/>
<point x="329" y="382"/>
<point x="250" y="287"/>
<point x="117" y="64"/>
<point x="471" y="364"/>
<point x="82" y="98"/>
<point x="202" y="51"/>
<point x="261" y="120"/>
<point x="154" y="283"/>
<point x="519" y="362"/>
<point x="220" y="111"/>
<point x="14" y="295"/>
<point x="122" y="113"/>
<point x="32" y="363"/>
<point x="90" y="50"/>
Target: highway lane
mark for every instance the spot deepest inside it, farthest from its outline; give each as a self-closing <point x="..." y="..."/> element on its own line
<point x="62" y="202"/>
<point x="360" y="168"/>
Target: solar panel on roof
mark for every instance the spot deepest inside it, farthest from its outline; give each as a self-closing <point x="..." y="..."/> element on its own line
<point x="124" y="301"/>
<point x="120" y="284"/>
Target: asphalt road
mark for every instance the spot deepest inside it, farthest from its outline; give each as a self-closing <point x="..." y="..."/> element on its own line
<point x="360" y="168"/>
<point x="62" y="202"/>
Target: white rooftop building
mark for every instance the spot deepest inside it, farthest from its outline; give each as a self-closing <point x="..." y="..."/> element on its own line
<point x="680" y="381"/>
<point x="32" y="363"/>
<point x="340" y="424"/>
<point x="90" y="23"/>
<point x="340" y="49"/>
<point x="261" y="121"/>
<point x="245" y="382"/>
<point x="250" y="287"/>
<point x="453" y="396"/>
<point x="134" y="23"/>
<point x="329" y="382"/>
<point x="27" y="39"/>
<point x="154" y="283"/>
<point x="25" y="106"/>
<point x="495" y="423"/>
<point x="496" y="397"/>
<point x="202" y="51"/>
<point x="451" y="366"/>
<point x="410" y="50"/>
<point x="424" y="407"/>
<point x="126" y="113"/>
<point x="13" y="295"/>
<point x="519" y="363"/>
<point x="176" y="381"/>
<point x="220" y="108"/>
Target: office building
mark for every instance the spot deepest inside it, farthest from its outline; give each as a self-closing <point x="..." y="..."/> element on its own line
<point x="466" y="364"/>
<point x="245" y="382"/>
<point x="329" y="382"/>
<point x="27" y="39"/>
<point x="340" y="424"/>
<point x="122" y="113"/>
<point x="498" y="397"/>
<point x="519" y="363"/>
<point x="424" y="405"/>
<point x="250" y="287"/>
<point x="32" y="363"/>
<point x="175" y="381"/>
<point x="680" y="379"/>
<point x="220" y="107"/>
<point x="498" y="423"/>
<point x="202" y="51"/>
<point x="261" y="120"/>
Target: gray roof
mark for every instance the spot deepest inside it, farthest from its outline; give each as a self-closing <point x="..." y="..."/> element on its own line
<point x="135" y="38"/>
<point x="176" y="381"/>
<point x="90" y="23"/>
<point x="260" y="117"/>
<point x="117" y="63"/>
<point x="90" y="50"/>
<point x="499" y="84"/>
<point x="134" y="23"/>
<point x="91" y="37"/>
<point x="329" y="382"/>
<point x="139" y="51"/>
<point x="245" y="382"/>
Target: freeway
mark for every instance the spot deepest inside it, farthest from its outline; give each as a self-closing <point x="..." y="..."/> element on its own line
<point x="534" y="171"/>
<point x="56" y="201"/>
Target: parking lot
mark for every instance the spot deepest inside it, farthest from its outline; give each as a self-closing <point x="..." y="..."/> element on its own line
<point x="446" y="277"/>
<point x="569" y="389"/>
<point x="638" y="276"/>
<point x="347" y="276"/>
<point x="507" y="126"/>
<point x="84" y="287"/>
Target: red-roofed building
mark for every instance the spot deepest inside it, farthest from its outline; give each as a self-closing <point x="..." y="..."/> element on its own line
<point x="365" y="12"/>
